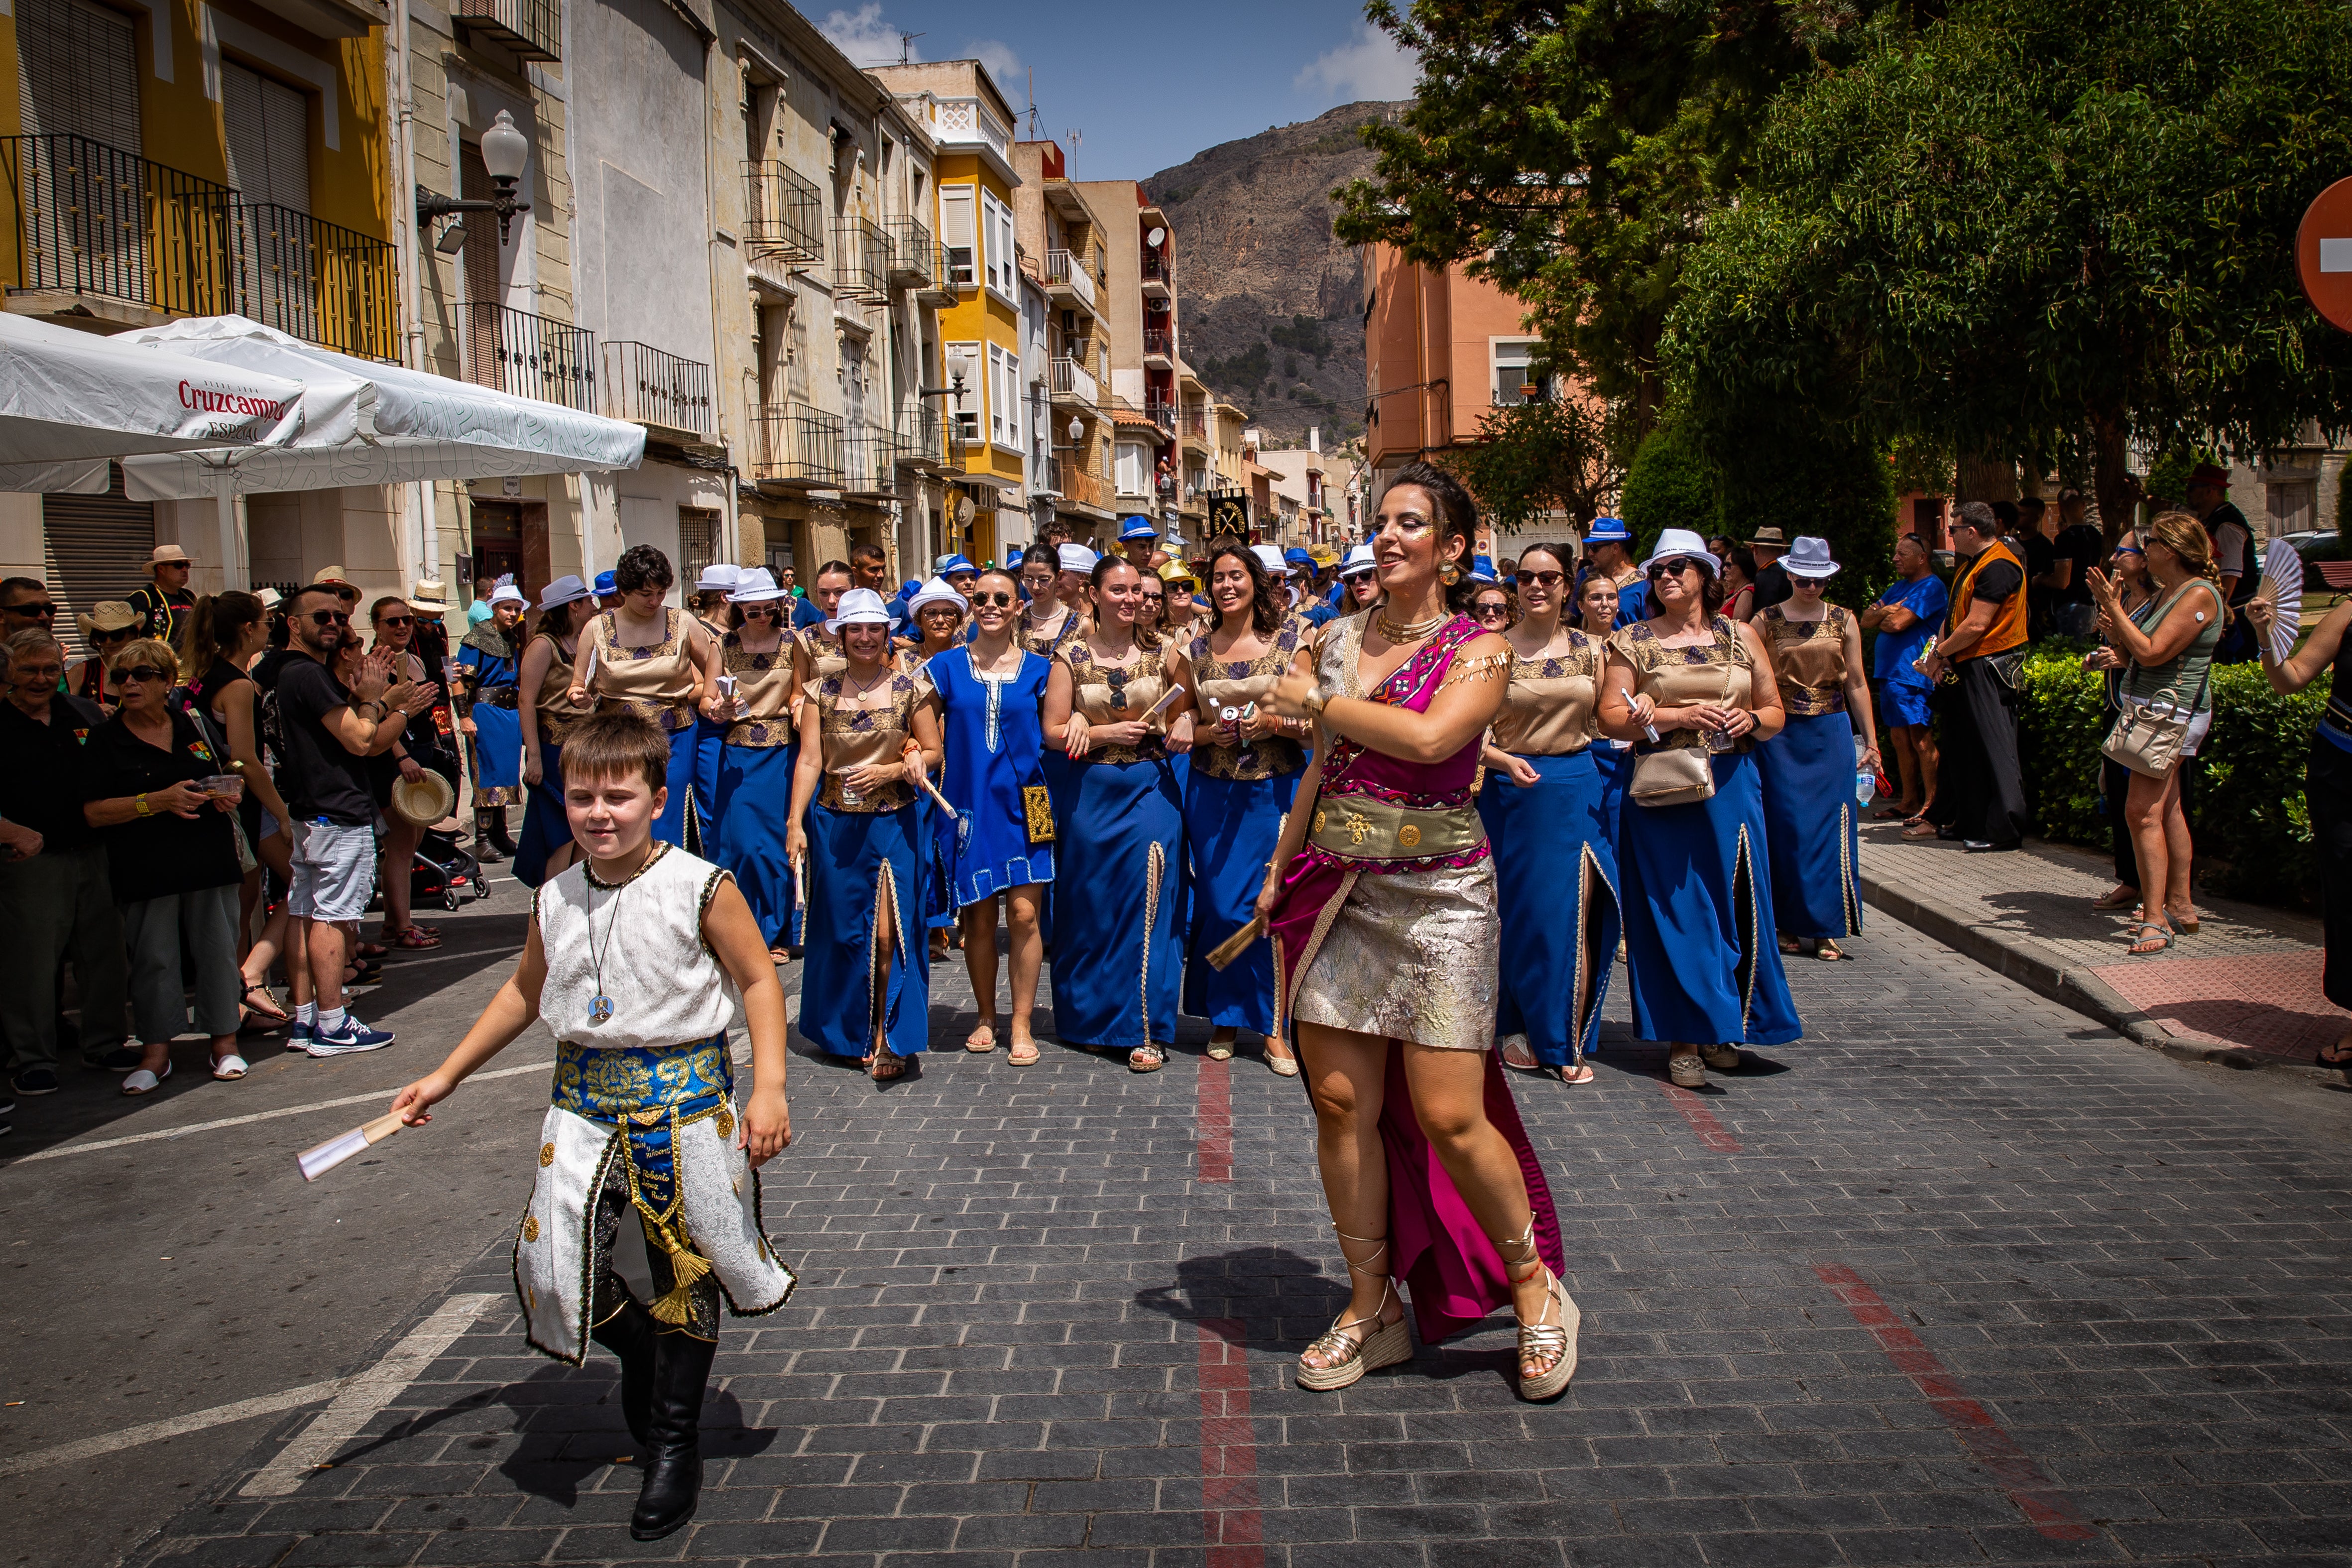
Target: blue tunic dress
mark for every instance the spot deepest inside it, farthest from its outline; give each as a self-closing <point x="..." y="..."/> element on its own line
<point x="1117" y="961"/>
<point x="488" y="656"/>
<point x="1811" y="816"/>
<point x="995" y="773"/>
<point x="753" y="790"/>
<point x="1702" y="953"/>
<point x="1235" y="797"/>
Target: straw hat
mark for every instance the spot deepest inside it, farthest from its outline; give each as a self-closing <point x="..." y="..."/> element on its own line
<point x="423" y="800"/>
<point x="107" y="615"/>
<point x="165" y="554"/>
<point x="332" y="577"/>
<point x="431" y="596"/>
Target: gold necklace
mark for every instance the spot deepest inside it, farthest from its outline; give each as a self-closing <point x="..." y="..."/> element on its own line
<point x="1412" y="631"/>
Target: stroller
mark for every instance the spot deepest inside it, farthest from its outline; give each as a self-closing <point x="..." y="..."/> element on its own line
<point x="442" y="869"/>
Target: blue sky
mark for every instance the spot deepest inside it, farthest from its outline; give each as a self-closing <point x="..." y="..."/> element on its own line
<point x="1144" y="86"/>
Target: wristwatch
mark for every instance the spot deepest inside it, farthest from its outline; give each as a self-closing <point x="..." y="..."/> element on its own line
<point x="139" y="803"/>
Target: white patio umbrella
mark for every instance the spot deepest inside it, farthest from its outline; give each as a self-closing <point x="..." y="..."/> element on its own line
<point x="71" y="400"/>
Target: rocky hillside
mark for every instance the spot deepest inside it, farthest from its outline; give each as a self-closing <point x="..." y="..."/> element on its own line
<point x="1270" y="304"/>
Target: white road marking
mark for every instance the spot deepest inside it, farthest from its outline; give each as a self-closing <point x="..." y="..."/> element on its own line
<point x="381" y="1096"/>
<point x="365" y="1394"/>
<point x="356" y="1398"/>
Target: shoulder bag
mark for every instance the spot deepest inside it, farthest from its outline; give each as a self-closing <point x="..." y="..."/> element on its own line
<point x="1677" y="775"/>
<point x="2148" y="736"/>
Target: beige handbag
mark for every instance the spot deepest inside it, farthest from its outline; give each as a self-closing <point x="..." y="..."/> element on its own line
<point x="2148" y="736"/>
<point x="1677" y="775"/>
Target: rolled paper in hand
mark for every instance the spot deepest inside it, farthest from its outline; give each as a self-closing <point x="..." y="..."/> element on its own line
<point x="317" y="1161"/>
<point x="1232" y="947"/>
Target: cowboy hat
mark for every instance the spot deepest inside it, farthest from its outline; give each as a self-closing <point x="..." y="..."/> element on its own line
<point x="431" y="595"/>
<point x="107" y="615"/>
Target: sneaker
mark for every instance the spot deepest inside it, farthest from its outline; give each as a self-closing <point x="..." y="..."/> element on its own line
<point x="353" y="1036"/>
<point x="298" y="1037"/>
<point x="36" y="1080"/>
<point x="1722" y="1059"/>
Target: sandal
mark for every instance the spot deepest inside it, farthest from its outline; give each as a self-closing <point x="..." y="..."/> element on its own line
<point x="367" y="950"/>
<point x="414" y="938"/>
<point x="2338" y="1055"/>
<point x="1572" y="1072"/>
<point x="1918" y="830"/>
<point x="229" y="1069"/>
<point x="145" y="1083"/>
<point x="1517" y="1055"/>
<point x="2139" y="947"/>
<point x="1791" y="946"/>
<point x="1541" y="1341"/>
<point x="2121" y="898"/>
<point x="1220" y="1050"/>
<point x="885" y="1064"/>
<point x="2183" y="921"/>
<point x="1146" y="1058"/>
<point x="1384" y="1346"/>
<point x="267" y="1010"/>
<point x="977" y="1047"/>
<point x="1686" y="1071"/>
<point x="1024" y="1052"/>
<point x="1827" y="952"/>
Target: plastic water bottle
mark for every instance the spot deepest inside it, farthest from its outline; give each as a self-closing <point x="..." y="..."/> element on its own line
<point x="1865" y="780"/>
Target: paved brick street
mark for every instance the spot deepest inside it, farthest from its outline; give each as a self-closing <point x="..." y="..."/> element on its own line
<point x="1959" y="1278"/>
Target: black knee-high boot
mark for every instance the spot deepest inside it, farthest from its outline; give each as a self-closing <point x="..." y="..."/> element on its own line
<point x="498" y="835"/>
<point x="674" y="1460"/>
<point x="486" y="849"/>
<point x="629" y="1335"/>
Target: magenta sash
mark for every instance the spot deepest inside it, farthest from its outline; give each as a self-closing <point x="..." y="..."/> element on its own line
<point x="1453" y="1272"/>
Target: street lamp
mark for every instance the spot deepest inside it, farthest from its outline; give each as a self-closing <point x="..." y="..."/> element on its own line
<point x="505" y="152"/>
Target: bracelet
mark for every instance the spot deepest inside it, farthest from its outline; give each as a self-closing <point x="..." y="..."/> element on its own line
<point x="139" y="803"/>
<point x="1314" y="702"/>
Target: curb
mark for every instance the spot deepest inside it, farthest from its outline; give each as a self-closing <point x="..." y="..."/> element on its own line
<point x="2030" y="964"/>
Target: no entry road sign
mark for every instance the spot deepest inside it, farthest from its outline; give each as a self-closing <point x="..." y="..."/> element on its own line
<point x="2323" y="254"/>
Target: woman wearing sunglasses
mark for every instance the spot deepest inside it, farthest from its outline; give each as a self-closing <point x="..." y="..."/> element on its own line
<point x="225" y="634"/>
<point x="548" y="715"/>
<point x="1491" y="607"/>
<point x="936" y="614"/>
<point x="1244" y="775"/>
<point x="1545" y="808"/>
<point x="1696" y="693"/>
<point x="490" y="667"/>
<point x="1810" y="814"/>
<point x="155" y="789"/>
<point x="755" y="768"/>
<point x="990" y="695"/>
<point x="108" y="629"/>
<point x="416" y="751"/>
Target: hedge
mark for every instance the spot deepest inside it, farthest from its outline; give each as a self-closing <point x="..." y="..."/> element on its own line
<point x="2246" y="802"/>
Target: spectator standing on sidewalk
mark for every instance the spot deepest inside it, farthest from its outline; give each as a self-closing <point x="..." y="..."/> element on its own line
<point x="149" y="780"/>
<point x="1903" y="616"/>
<point x="1980" y="793"/>
<point x="25" y="606"/>
<point x="394" y="624"/>
<point x="106" y="631"/>
<point x="2328" y="787"/>
<point x="2128" y="570"/>
<point x="2046" y="573"/>
<point x="330" y="731"/>
<point x="56" y="903"/>
<point x="162" y="604"/>
<point x="2079" y="546"/>
<point x="2169" y="649"/>
<point x="2235" y="561"/>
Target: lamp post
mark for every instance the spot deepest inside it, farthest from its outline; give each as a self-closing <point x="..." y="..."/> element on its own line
<point x="506" y="153"/>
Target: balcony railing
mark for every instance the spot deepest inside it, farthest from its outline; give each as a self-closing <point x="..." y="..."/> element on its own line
<point x="1155" y="268"/>
<point x="915" y="258"/>
<point x="530" y="356"/>
<point x="643" y="383"/>
<point x="1162" y="414"/>
<point x="314" y="280"/>
<point x="799" y="445"/>
<point x="1196" y="424"/>
<point x="782" y="214"/>
<point x="922" y="438"/>
<point x="869" y="458"/>
<point x="1159" y="340"/>
<point x="1074" y="483"/>
<point x="1064" y="271"/>
<point x="87" y="218"/>
<point x="533" y="29"/>
<point x="1073" y="384"/>
<point x="861" y="260"/>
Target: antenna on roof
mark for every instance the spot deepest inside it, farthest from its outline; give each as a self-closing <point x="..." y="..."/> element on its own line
<point x="907" y="47"/>
<point x="1033" y="103"/>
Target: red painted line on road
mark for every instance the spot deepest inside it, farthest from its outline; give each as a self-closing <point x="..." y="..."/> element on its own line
<point x="1230" y="1526"/>
<point x="1215" y="1119"/>
<point x="1711" y="1132"/>
<point x="2045" y="1507"/>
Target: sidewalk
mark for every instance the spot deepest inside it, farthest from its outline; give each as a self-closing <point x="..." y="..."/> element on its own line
<point x="2243" y="991"/>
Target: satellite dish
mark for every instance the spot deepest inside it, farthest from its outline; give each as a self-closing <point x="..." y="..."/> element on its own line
<point x="1154" y="238"/>
<point x="960" y="510"/>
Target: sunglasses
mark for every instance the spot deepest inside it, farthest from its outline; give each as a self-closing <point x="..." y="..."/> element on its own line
<point x="330" y="617"/>
<point x="1490" y="612"/>
<point x="1542" y="579"/>
<point x="142" y="672"/>
<point x="1675" y="568"/>
<point x="38" y="612"/>
<point x="759" y="607"/>
<point x="997" y="600"/>
<point x="125" y="634"/>
<point x="397" y="621"/>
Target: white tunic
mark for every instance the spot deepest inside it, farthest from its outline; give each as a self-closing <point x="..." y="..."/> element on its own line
<point x="666" y="985"/>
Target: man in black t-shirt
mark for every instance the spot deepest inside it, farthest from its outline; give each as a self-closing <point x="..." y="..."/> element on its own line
<point x="329" y="733"/>
<point x="2073" y="612"/>
<point x="163" y="604"/>
<point x="2235" y="558"/>
<point x="1771" y="577"/>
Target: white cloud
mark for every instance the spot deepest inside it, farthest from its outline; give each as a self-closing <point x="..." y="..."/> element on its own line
<point x="865" y="36"/>
<point x="1002" y="64"/>
<point x="1370" y="64"/>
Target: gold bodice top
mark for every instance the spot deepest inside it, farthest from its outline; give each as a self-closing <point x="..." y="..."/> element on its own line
<point x="862" y="730"/>
<point x="657" y="680"/>
<point x="1719" y="671"/>
<point x="1222" y="683"/>
<point x="1109" y="694"/>
<point x="1550" y="708"/>
<point x="1071" y="626"/>
<point x="823" y="649"/>
<point x="555" y="712"/>
<point x="763" y="688"/>
<point x="1809" y="659"/>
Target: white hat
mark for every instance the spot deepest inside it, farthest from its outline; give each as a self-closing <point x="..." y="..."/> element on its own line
<point x="860" y="607"/>
<point x="165" y="554"/>
<point x="1675" y="542"/>
<point x="1270" y="557"/>
<point x="757" y="586"/>
<point x="719" y="577"/>
<point x="935" y="592"/>
<point x="508" y="593"/>
<point x="1810" y="557"/>
<point x="1360" y="559"/>
<point x="1078" y="558"/>
<point x="562" y="591"/>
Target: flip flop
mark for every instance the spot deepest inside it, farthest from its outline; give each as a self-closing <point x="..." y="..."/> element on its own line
<point x="1024" y="1054"/>
<point x="414" y="936"/>
<point x="2326" y="1058"/>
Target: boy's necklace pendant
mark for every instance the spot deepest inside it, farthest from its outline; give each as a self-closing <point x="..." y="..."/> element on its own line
<point x="600" y="1008"/>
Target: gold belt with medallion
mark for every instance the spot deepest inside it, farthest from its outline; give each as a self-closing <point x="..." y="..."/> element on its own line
<point x="1357" y="828"/>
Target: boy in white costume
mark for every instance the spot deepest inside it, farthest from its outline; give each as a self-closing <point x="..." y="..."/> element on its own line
<point x="637" y="958"/>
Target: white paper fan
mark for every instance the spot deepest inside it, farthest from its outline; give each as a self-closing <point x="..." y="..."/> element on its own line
<point x="2283" y="586"/>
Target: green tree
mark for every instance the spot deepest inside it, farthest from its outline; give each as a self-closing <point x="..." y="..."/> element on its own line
<point x="1669" y="485"/>
<point x="1539" y="457"/>
<point x="2032" y="223"/>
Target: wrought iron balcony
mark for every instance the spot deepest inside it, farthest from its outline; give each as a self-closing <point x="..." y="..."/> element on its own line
<point x="922" y="436"/>
<point x="531" y="29"/>
<point x="861" y="260"/>
<point x="1155" y="269"/>
<point x="643" y="383"/>
<point x="88" y="218"/>
<point x="869" y="458"/>
<point x="1067" y="272"/>
<point x="915" y="258"/>
<point x="318" y="281"/>
<point x="530" y="356"/>
<point x="798" y="445"/>
<point x="1196" y="424"/>
<point x="1159" y="340"/>
<point x="1162" y="414"/>
<point x="784" y="216"/>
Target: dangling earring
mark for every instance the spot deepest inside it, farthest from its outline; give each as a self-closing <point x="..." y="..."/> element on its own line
<point x="1449" y="573"/>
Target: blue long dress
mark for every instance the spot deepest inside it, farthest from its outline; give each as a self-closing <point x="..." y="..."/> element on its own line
<point x="867" y="863"/>
<point x="1118" y="961"/>
<point x="1053" y="763"/>
<point x="1555" y="864"/>
<point x="993" y="773"/>
<point x="1811" y="816"/>
<point x="710" y="752"/>
<point x="1702" y="953"/>
<point x="1235" y="797"/>
<point x="495" y="668"/>
<point x="753" y="790"/>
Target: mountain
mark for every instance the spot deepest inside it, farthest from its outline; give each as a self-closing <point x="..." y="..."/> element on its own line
<point x="1272" y="306"/>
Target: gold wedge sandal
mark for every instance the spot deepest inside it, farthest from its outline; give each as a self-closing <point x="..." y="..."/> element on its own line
<point x="1541" y="1341"/>
<point x="1383" y="1345"/>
